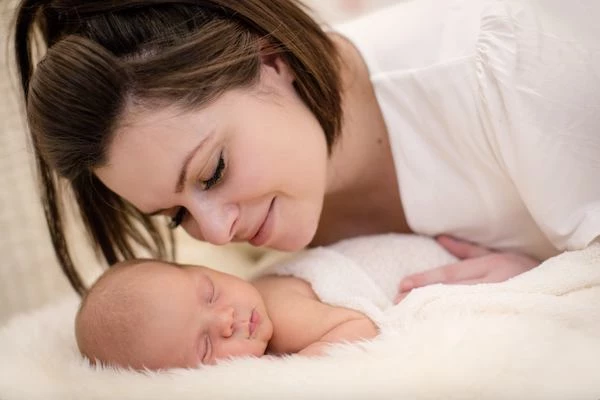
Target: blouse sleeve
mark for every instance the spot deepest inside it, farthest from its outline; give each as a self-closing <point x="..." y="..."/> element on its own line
<point x="540" y="65"/>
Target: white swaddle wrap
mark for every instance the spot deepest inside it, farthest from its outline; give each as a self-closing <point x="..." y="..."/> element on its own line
<point x="363" y="273"/>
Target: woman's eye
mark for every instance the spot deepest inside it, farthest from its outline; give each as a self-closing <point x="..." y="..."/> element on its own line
<point x="217" y="175"/>
<point x="209" y="183"/>
<point x="178" y="218"/>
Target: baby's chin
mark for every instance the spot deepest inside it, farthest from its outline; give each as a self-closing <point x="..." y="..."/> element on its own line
<point x="262" y="351"/>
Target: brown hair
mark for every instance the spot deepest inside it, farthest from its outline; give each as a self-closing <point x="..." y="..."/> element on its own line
<point x="102" y="54"/>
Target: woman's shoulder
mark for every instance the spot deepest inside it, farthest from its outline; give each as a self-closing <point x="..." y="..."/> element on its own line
<point x="415" y="34"/>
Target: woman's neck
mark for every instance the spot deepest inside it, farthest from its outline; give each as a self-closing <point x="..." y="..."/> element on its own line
<point x="362" y="195"/>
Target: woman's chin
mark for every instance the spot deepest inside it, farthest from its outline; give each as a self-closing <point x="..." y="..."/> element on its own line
<point x="295" y="241"/>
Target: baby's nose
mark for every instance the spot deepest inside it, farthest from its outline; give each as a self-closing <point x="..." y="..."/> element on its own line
<point x="225" y="321"/>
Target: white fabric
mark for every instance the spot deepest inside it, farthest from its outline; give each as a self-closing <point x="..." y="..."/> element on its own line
<point x="363" y="273"/>
<point x="493" y="112"/>
<point x="537" y="335"/>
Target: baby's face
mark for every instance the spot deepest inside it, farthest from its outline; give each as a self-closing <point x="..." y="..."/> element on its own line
<point x="195" y="315"/>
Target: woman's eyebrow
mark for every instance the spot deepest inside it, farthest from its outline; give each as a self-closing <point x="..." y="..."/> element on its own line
<point x="184" y="171"/>
<point x="186" y="163"/>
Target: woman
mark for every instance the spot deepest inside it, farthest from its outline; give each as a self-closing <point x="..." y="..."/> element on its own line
<point x="244" y="121"/>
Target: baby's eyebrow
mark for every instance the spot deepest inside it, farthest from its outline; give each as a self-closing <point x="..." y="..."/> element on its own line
<point x="211" y="286"/>
<point x="204" y="283"/>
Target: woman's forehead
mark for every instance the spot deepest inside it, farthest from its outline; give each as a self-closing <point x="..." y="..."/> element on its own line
<point x="146" y="159"/>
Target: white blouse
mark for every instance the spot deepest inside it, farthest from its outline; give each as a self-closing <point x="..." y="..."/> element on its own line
<point x="493" y="112"/>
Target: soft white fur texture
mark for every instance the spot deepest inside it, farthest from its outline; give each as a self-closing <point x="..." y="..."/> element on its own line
<point x="536" y="336"/>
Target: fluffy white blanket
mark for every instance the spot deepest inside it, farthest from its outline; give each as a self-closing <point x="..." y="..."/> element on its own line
<point x="536" y="336"/>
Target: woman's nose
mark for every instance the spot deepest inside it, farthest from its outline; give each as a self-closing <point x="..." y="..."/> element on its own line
<point x="212" y="222"/>
<point x="224" y="321"/>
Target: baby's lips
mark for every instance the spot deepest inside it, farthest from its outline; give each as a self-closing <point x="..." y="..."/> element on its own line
<point x="253" y="322"/>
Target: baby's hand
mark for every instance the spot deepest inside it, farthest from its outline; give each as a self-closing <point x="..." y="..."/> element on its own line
<point x="478" y="265"/>
<point x="314" y="349"/>
<point x="355" y="329"/>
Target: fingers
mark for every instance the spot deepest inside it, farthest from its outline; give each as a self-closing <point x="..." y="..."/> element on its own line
<point x="463" y="272"/>
<point x="488" y="267"/>
<point x="461" y="248"/>
<point x="484" y="279"/>
<point x="400" y="297"/>
<point x="451" y="273"/>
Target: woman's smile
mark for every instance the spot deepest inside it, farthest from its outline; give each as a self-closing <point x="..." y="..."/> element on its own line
<point x="264" y="231"/>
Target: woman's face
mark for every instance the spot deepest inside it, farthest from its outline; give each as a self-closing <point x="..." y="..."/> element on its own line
<point x="250" y="166"/>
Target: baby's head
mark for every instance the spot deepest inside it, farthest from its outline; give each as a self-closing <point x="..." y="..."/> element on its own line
<point x="155" y="315"/>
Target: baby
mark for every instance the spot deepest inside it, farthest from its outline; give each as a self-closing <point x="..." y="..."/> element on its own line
<point x="152" y="314"/>
<point x="156" y="315"/>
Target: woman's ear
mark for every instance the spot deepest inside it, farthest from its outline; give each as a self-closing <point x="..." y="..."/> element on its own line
<point x="277" y="65"/>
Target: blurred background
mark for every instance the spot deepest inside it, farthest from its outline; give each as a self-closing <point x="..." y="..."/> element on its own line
<point x="29" y="274"/>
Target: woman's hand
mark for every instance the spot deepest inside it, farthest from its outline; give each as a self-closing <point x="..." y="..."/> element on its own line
<point x="477" y="265"/>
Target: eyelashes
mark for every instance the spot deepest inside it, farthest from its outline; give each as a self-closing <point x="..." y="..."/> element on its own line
<point x="217" y="175"/>
<point x="207" y="340"/>
<point x="213" y="292"/>
<point x="207" y="184"/>
<point x="207" y="349"/>
<point x="178" y="218"/>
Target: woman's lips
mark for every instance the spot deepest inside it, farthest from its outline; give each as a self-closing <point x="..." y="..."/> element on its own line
<point x="253" y="323"/>
<point x="264" y="232"/>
